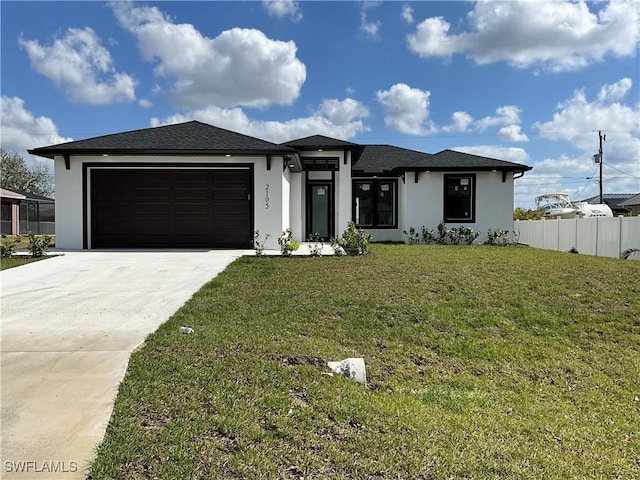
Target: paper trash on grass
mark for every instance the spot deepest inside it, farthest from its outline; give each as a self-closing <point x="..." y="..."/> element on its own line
<point x="187" y="330"/>
<point x="352" y="368"/>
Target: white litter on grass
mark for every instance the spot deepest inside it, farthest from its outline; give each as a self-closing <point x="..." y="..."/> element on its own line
<point x="188" y="330"/>
<point x="352" y="368"/>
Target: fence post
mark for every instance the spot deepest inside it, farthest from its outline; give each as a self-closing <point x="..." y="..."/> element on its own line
<point x="597" y="233"/>
<point x="619" y="235"/>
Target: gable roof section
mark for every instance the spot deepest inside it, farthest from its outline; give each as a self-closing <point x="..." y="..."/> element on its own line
<point x="320" y="141"/>
<point x="387" y="158"/>
<point x="453" y="160"/>
<point x="188" y="137"/>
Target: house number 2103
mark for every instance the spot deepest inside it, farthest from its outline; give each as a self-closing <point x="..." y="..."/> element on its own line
<point x="266" y="197"/>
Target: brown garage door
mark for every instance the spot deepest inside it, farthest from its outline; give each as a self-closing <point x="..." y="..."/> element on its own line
<point x="171" y="208"/>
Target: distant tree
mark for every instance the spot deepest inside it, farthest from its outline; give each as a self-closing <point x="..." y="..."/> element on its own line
<point x="522" y="214"/>
<point x="14" y="172"/>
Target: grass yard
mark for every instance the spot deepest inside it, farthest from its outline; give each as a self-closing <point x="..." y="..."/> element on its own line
<point x="6" y="263"/>
<point x="483" y="362"/>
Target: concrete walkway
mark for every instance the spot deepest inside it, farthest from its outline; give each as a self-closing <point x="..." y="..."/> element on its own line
<point x="69" y="325"/>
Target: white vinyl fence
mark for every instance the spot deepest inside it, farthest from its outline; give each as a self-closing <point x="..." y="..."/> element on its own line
<point x="601" y="236"/>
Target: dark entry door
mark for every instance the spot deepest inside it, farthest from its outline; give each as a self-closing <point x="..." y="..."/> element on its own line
<point x="320" y="209"/>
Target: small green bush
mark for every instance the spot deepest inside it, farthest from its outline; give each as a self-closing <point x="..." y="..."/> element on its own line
<point x="7" y="247"/>
<point x="38" y="245"/>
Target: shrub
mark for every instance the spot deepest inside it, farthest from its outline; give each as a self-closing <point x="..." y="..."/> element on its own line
<point x="38" y="246"/>
<point x="413" y="237"/>
<point x="286" y="244"/>
<point x="353" y="240"/>
<point x="7" y="247"/>
<point x="501" y="238"/>
<point x="467" y="235"/>
<point x="445" y="236"/>
<point x="315" y="249"/>
<point x="258" y="242"/>
<point x="442" y="233"/>
<point x="428" y="236"/>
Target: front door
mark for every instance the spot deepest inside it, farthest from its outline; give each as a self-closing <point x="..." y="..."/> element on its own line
<point x="320" y="209"/>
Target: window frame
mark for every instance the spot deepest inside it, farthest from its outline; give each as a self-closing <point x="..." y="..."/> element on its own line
<point x="472" y="180"/>
<point x="375" y="183"/>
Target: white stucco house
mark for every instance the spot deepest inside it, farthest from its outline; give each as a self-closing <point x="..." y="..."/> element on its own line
<point x="196" y="185"/>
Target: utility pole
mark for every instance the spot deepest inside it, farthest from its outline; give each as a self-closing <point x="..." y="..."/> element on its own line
<point x="602" y="140"/>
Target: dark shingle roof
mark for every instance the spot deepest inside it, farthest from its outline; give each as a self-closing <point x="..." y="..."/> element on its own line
<point x="320" y="141"/>
<point x="193" y="136"/>
<point x="452" y="160"/>
<point x="381" y="158"/>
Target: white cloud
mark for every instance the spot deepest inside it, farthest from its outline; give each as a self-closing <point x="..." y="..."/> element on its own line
<point x="334" y="118"/>
<point x="21" y="130"/>
<point x="507" y="117"/>
<point x="577" y="121"/>
<point x="512" y="133"/>
<point x="406" y="109"/>
<point x="557" y="36"/>
<point x="80" y="65"/>
<point x="145" y="103"/>
<point x="370" y="29"/>
<point x="283" y="9"/>
<point x="432" y="39"/>
<point x="239" y="67"/>
<point x="460" y="122"/>
<point x="577" y="118"/>
<point x="407" y="14"/>
<point x="341" y="112"/>
<point x="509" y="154"/>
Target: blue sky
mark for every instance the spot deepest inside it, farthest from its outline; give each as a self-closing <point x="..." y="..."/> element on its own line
<point x="530" y="82"/>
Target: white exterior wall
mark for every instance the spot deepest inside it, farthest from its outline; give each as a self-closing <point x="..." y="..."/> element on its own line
<point x="68" y="204"/>
<point x="296" y="206"/>
<point x="421" y="204"/>
<point x="343" y="195"/>
<point x="269" y="186"/>
<point x="268" y="214"/>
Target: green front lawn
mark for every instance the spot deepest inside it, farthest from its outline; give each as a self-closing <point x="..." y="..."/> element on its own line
<point x="483" y="362"/>
<point x="6" y="263"/>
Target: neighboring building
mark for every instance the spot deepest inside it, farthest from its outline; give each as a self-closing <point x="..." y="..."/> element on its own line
<point x="614" y="201"/>
<point x="196" y="185"/>
<point x="632" y="203"/>
<point x="23" y="212"/>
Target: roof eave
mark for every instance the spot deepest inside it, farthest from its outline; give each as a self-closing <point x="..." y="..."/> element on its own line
<point x="440" y="168"/>
<point x="51" y="153"/>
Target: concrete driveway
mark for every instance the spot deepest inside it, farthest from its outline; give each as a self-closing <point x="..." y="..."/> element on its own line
<point x="69" y="325"/>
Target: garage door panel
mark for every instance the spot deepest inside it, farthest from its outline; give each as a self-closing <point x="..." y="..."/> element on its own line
<point x="171" y="208"/>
